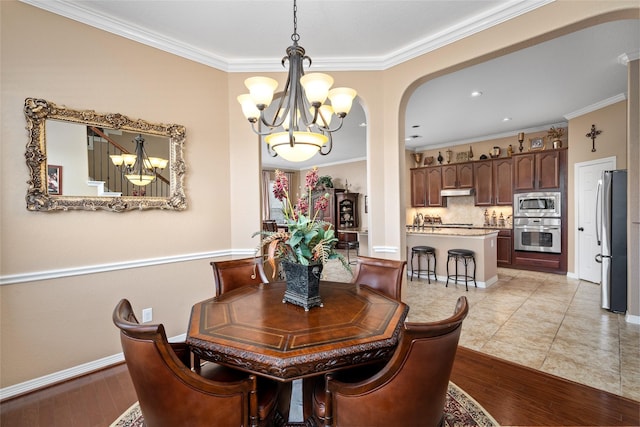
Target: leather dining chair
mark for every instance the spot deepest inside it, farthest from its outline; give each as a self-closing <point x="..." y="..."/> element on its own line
<point x="269" y="225"/>
<point x="409" y="390"/>
<point x="171" y="394"/>
<point x="232" y="274"/>
<point x="384" y="275"/>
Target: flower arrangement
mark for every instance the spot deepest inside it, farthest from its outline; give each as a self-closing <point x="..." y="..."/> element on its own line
<point x="307" y="240"/>
<point x="555" y="133"/>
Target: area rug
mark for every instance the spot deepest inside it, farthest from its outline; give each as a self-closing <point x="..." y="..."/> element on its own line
<point x="461" y="410"/>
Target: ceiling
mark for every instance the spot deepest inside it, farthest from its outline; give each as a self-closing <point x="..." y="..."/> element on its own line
<point x="536" y="87"/>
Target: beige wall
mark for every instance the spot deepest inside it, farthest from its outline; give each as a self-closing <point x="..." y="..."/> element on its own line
<point x="612" y="120"/>
<point x="49" y="325"/>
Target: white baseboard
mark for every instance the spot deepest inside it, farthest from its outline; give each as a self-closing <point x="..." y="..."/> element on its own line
<point x="630" y="318"/>
<point x="67" y="374"/>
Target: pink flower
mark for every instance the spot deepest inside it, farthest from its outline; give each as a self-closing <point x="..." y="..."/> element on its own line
<point x="280" y="185"/>
<point x="311" y="179"/>
<point x="302" y="207"/>
<point x="322" y="203"/>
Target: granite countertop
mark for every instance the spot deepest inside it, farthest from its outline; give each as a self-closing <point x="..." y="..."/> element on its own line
<point x="453" y="231"/>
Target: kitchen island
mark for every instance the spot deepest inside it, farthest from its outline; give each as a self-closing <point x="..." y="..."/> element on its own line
<point x="482" y="241"/>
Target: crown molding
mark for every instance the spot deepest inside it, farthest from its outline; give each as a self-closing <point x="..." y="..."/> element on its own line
<point x="78" y="12"/>
<point x="596" y="106"/>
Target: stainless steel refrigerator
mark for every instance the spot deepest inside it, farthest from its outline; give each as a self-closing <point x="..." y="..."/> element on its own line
<point x="611" y="232"/>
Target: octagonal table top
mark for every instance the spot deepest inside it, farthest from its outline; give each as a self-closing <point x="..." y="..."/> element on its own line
<point x="250" y="328"/>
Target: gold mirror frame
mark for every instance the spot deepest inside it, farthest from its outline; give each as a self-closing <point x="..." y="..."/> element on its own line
<point x="37" y="111"/>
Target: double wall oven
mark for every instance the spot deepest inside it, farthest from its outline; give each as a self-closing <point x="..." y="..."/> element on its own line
<point x="537" y="223"/>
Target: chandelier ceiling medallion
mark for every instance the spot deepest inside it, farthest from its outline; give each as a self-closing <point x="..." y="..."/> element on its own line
<point x="300" y="126"/>
<point x="139" y="169"/>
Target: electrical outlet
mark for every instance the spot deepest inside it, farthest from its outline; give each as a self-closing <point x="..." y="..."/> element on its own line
<point x="491" y="246"/>
<point x="147" y="315"/>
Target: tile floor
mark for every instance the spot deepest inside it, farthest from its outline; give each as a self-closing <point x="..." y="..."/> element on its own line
<point x="545" y="321"/>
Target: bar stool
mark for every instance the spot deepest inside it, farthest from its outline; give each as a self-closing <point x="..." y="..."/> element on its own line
<point x="428" y="252"/>
<point x="352" y="245"/>
<point x="465" y="256"/>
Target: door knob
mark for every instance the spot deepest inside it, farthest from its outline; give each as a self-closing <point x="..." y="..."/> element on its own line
<point x="580" y="228"/>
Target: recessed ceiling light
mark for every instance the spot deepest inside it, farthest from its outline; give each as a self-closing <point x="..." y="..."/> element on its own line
<point x="412" y="137"/>
<point x="506" y="119"/>
<point x="476" y="93"/>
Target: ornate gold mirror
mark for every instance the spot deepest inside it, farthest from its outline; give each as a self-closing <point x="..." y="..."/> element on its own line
<point x="80" y="159"/>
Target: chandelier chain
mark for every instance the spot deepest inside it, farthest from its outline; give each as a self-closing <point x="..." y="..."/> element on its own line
<point x="295" y="36"/>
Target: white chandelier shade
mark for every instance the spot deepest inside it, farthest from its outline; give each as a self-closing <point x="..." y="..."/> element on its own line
<point x="300" y="125"/>
<point x="139" y="169"/>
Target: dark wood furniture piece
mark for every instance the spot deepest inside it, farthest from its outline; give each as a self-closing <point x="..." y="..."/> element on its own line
<point x="330" y="214"/>
<point x="348" y="213"/>
<point x="170" y="394"/>
<point x="232" y="274"/>
<point x="419" y="369"/>
<point x="384" y="275"/>
<point x="251" y="329"/>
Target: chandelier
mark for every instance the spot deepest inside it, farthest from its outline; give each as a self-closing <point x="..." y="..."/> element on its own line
<point x="139" y="169"/>
<point x="300" y="126"/>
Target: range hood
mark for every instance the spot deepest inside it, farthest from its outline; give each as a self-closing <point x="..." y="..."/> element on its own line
<point x="457" y="192"/>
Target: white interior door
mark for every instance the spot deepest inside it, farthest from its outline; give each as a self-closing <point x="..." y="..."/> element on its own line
<point x="587" y="175"/>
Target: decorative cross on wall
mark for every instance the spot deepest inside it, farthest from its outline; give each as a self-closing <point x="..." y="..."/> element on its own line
<point x="593" y="135"/>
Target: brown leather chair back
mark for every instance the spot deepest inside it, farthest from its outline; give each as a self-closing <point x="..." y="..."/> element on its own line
<point x="269" y="225"/>
<point x="384" y="275"/>
<point x="411" y="389"/>
<point x="229" y="275"/>
<point x="169" y="393"/>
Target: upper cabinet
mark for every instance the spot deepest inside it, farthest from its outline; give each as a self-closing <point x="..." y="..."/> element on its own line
<point x="537" y="171"/>
<point x="426" y="184"/>
<point x="434" y="185"/>
<point x="419" y="187"/>
<point x="493" y="182"/>
<point x="457" y="176"/>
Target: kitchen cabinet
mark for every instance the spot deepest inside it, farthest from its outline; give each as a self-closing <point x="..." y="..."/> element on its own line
<point x="347" y="204"/>
<point x="419" y="187"/>
<point x="493" y="182"/>
<point x="538" y="171"/>
<point x="457" y="176"/>
<point x="426" y="184"/>
<point x="503" y="180"/>
<point x="434" y="185"/>
<point x="505" y="246"/>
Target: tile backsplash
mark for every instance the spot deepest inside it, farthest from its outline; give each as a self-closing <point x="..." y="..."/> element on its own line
<point x="461" y="210"/>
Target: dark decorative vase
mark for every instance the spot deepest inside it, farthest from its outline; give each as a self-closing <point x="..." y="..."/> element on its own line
<point x="303" y="284"/>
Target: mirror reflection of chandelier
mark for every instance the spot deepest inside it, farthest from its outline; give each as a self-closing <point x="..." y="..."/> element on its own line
<point x="300" y="125"/>
<point x="138" y="168"/>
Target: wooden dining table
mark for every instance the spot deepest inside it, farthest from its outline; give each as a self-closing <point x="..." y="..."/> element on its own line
<point x="250" y="328"/>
